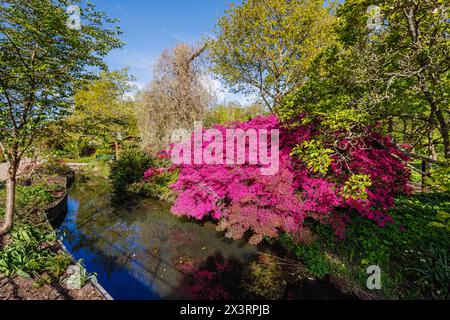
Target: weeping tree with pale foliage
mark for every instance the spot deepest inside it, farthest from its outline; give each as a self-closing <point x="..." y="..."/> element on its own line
<point x="178" y="96"/>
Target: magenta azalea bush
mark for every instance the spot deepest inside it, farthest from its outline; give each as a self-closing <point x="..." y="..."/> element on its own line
<point x="362" y="176"/>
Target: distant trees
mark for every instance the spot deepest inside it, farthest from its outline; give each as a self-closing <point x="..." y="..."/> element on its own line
<point x="232" y="111"/>
<point x="42" y="62"/>
<point x="267" y="46"/>
<point x="104" y="111"/>
<point x="176" y="98"/>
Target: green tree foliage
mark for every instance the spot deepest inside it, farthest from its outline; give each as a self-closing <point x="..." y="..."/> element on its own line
<point x="389" y="65"/>
<point x="233" y="111"/>
<point x="103" y="111"/>
<point x="267" y="46"/>
<point x="405" y="62"/>
<point x="42" y="61"/>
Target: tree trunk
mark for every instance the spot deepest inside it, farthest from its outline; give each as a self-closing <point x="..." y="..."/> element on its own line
<point x="442" y="123"/>
<point x="426" y="165"/>
<point x="425" y="170"/>
<point x="431" y="148"/>
<point x="443" y="128"/>
<point x="10" y="197"/>
<point x="117" y="149"/>
<point x="390" y="127"/>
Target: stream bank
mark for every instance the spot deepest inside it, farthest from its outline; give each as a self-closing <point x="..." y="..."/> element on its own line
<point x="30" y="243"/>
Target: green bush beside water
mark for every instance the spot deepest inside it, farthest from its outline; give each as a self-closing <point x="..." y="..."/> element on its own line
<point x="129" y="169"/>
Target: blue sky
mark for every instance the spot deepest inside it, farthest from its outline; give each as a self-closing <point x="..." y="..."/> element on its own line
<point x="150" y="26"/>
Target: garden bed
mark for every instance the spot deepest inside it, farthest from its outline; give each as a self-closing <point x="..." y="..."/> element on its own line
<point x="45" y="286"/>
<point x="19" y="288"/>
<point x="38" y="274"/>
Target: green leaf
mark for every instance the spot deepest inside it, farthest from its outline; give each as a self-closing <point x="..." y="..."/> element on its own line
<point x="435" y="224"/>
<point x="23" y="274"/>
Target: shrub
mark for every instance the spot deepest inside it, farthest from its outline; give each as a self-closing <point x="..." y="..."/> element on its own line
<point x="129" y="169"/>
<point x="312" y="255"/>
<point x="35" y="196"/>
<point x="30" y="197"/>
<point x="331" y="182"/>
<point x="158" y="185"/>
<point x="31" y="200"/>
<point x="29" y="254"/>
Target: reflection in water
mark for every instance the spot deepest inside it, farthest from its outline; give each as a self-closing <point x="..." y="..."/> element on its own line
<point x="216" y="278"/>
<point x="139" y="249"/>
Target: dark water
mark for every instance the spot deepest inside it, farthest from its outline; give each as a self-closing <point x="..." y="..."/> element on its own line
<point x="139" y="249"/>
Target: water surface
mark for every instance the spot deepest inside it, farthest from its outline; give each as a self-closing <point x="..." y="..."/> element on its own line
<point x="139" y="249"/>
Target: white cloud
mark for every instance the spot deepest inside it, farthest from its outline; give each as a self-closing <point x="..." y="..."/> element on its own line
<point x="182" y="37"/>
<point x="224" y="95"/>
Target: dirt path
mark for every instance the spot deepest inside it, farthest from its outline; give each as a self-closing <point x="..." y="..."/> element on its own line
<point x="75" y="165"/>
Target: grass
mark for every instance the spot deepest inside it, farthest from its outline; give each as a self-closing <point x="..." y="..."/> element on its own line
<point x="79" y="160"/>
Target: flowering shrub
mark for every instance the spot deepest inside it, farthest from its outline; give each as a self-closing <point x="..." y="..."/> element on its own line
<point x="358" y="175"/>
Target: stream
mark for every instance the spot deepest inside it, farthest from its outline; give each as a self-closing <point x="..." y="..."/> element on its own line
<point x="141" y="251"/>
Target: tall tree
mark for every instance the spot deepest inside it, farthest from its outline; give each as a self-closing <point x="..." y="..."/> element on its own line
<point x="405" y="61"/>
<point x="391" y="65"/>
<point x="43" y="57"/>
<point x="177" y="97"/>
<point x="266" y="46"/>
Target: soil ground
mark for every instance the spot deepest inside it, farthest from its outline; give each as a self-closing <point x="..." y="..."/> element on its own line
<point x="19" y="288"/>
